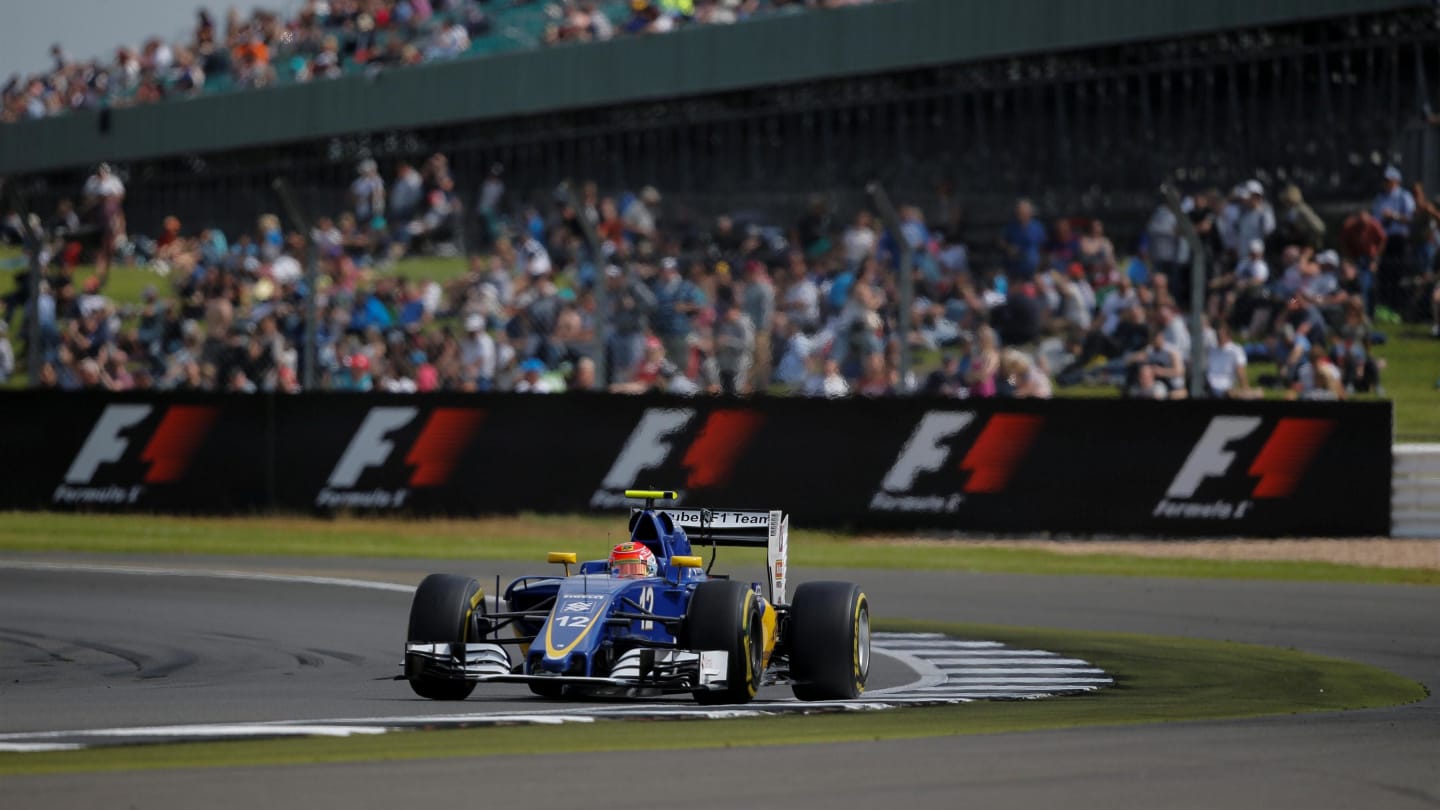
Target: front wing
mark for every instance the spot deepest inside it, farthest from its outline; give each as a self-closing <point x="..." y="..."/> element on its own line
<point x="652" y="669"/>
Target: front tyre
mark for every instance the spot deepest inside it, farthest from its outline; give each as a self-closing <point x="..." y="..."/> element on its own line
<point x="829" y="641"/>
<point x="725" y="615"/>
<point x="443" y="611"/>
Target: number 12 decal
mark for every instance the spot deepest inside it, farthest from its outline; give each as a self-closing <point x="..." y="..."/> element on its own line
<point x="577" y="622"/>
<point x="647" y="604"/>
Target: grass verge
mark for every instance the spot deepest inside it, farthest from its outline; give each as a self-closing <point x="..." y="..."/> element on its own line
<point x="528" y="537"/>
<point x="1159" y="679"/>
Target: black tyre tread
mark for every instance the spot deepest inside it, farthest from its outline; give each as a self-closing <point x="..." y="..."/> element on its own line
<point x="821" y="639"/>
<point x="724" y="615"/>
<point x="440" y="613"/>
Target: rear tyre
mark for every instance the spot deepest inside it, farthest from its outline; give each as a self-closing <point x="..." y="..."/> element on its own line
<point x="828" y="635"/>
<point x="725" y="615"/>
<point x="443" y="611"/>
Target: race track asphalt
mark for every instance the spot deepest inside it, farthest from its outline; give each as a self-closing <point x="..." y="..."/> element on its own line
<point x="90" y="650"/>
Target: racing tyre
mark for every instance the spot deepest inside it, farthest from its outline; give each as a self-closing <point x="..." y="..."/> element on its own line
<point x="725" y="615"/>
<point x="443" y="612"/>
<point x="828" y="635"/>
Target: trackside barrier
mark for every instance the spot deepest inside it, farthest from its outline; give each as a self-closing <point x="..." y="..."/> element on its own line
<point x="1082" y="467"/>
<point x="1415" y="498"/>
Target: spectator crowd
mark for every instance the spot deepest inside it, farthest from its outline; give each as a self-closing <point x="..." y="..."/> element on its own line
<point x="733" y="305"/>
<point x="329" y="38"/>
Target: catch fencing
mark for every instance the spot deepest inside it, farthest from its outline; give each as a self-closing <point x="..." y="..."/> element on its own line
<point x="1073" y="467"/>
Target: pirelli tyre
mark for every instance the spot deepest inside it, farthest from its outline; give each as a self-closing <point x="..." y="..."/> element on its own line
<point x="443" y="611"/>
<point x="828" y="635"/>
<point x="725" y="615"/>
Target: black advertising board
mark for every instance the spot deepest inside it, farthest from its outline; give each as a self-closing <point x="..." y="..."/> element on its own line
<point x="191" y="454"/>
<point x="1069" y="466"/>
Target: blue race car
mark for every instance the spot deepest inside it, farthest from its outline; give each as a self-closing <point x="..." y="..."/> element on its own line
<point x="649" y="620"/>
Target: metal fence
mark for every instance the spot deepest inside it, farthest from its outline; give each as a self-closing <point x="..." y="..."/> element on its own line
<point x="1322" y="104"/>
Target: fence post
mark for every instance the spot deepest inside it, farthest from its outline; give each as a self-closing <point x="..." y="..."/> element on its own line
<point x="308" y="351"/>
<point x="597" y="256"/>
<point x="1197" y="290"/>
<point x="907" y="272"/>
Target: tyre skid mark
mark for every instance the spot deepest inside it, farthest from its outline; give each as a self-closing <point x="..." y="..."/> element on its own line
<point x="947" y="674"/>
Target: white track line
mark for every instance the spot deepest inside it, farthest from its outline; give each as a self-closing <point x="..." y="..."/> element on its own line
<point x="255" y="576"/>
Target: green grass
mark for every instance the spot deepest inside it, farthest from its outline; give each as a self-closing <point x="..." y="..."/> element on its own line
<point x="1159" y="679"/>
<point x="528" y="537"/>
<point x="1411" y="378"/>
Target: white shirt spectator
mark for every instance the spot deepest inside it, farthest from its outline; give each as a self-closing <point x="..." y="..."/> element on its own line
<point x="802" y="302"/>
<point x="1223" y="367"/>
<point x="1253" y="270"/>
<point x="101" y="187"/>
<point x="286" y="269"/>
<point x="477" y="351"/>
<point x="859" y="244"/>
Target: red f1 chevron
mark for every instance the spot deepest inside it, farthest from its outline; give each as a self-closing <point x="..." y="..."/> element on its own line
<point x="433" y="454"/>
<point x="1278" y="467"/>
<point x="170" y="448"/>
<point x="991" y="461"/>
<point x="709" y="460"/>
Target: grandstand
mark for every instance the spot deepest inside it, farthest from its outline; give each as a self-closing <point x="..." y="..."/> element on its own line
<point x="959" y="107"/>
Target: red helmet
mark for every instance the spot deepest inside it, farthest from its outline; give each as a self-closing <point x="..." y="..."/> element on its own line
<point x="632" y="560"/>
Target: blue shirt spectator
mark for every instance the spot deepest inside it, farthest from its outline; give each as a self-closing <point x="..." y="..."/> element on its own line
<point x="1024" y="238"/>
<point x="1394" y="206"/>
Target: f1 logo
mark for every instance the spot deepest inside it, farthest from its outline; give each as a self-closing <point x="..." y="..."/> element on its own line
<point x="434" y="454"/>
<point x="1279" y="464"/>
<point x="168" y="452"/>
<point x="991" y="460"/>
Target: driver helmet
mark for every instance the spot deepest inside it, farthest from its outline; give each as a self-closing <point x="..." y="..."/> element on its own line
<point x="632" y="560"/>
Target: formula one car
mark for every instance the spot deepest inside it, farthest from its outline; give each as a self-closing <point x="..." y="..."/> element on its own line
<point x="649" y="620"/>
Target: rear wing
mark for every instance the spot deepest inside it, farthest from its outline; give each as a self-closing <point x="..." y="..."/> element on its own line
<point x="742" y="527"/>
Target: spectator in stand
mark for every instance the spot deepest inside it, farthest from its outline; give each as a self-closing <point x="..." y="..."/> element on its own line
<point x="639" y="216"/>
<point x="1256" y="220"/>
<point x="1362" y="242"/>
<point x="631" y="305"/>
<point x="1298" y="224"/>
<point x="1225" y="369"/>
<point x="1319" y="379"/>
<point x="1023" y="239"/>
<point x="734" y="349"/>
<point x="1157" y="369"/>
<point x="1096" y="249"/>
<point x="105" y="203"/>
<point x="677" y="301"/>
<point x="859" y="241"/>
<point x="1023" y="379"/>
<point x="477" y="352"/>
<point x="946" y="381"/>
<point x="367" y="193"/>
<point x="758" y="302"/>
<point x="1394" y="208"/>
<point x="982" y="378"/>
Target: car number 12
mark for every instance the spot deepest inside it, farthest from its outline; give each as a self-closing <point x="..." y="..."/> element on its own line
<point x="647" y="604"/>
<point x="577" y="622"/>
